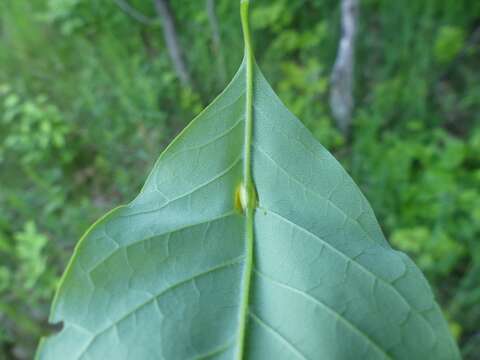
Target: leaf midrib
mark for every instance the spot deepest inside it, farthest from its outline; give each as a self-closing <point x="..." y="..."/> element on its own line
<point x="248" y="186"/>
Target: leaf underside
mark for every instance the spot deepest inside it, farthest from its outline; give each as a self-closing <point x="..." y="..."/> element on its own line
<point x="161" y="278"/>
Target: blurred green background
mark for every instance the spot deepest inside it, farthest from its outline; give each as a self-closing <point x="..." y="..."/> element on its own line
<point x="89" y="98"/>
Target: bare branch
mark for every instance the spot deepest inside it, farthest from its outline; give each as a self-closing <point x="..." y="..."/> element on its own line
<point x="133" y="13"/>
<point x="217" y="39"/>
<point x="341" y="90"/>
<point x="173" y="44"/>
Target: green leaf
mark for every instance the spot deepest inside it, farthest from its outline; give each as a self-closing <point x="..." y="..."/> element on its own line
<point x="248" y="240"/>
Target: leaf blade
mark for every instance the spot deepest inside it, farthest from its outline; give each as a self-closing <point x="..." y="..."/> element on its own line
<point x="155" y="215"/>
<point x="323" y="270"/>
<point x="309" y="208"/>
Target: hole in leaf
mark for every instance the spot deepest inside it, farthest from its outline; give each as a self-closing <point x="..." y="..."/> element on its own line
<point x="52" y="329"/>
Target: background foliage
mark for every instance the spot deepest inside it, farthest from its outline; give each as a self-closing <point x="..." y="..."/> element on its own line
<point x="88" y="99"/>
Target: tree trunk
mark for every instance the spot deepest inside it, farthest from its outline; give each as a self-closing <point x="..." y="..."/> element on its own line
<point x="341" y="88"/>
<point x="217" y="39"/>
<point x="173" y="44"/>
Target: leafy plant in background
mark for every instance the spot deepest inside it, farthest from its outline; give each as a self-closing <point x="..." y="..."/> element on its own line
<point x="110" y="79"/>
<point x="248" y="240"/>
<point x="444" y="197"/>
<point x="34" y="129"/>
